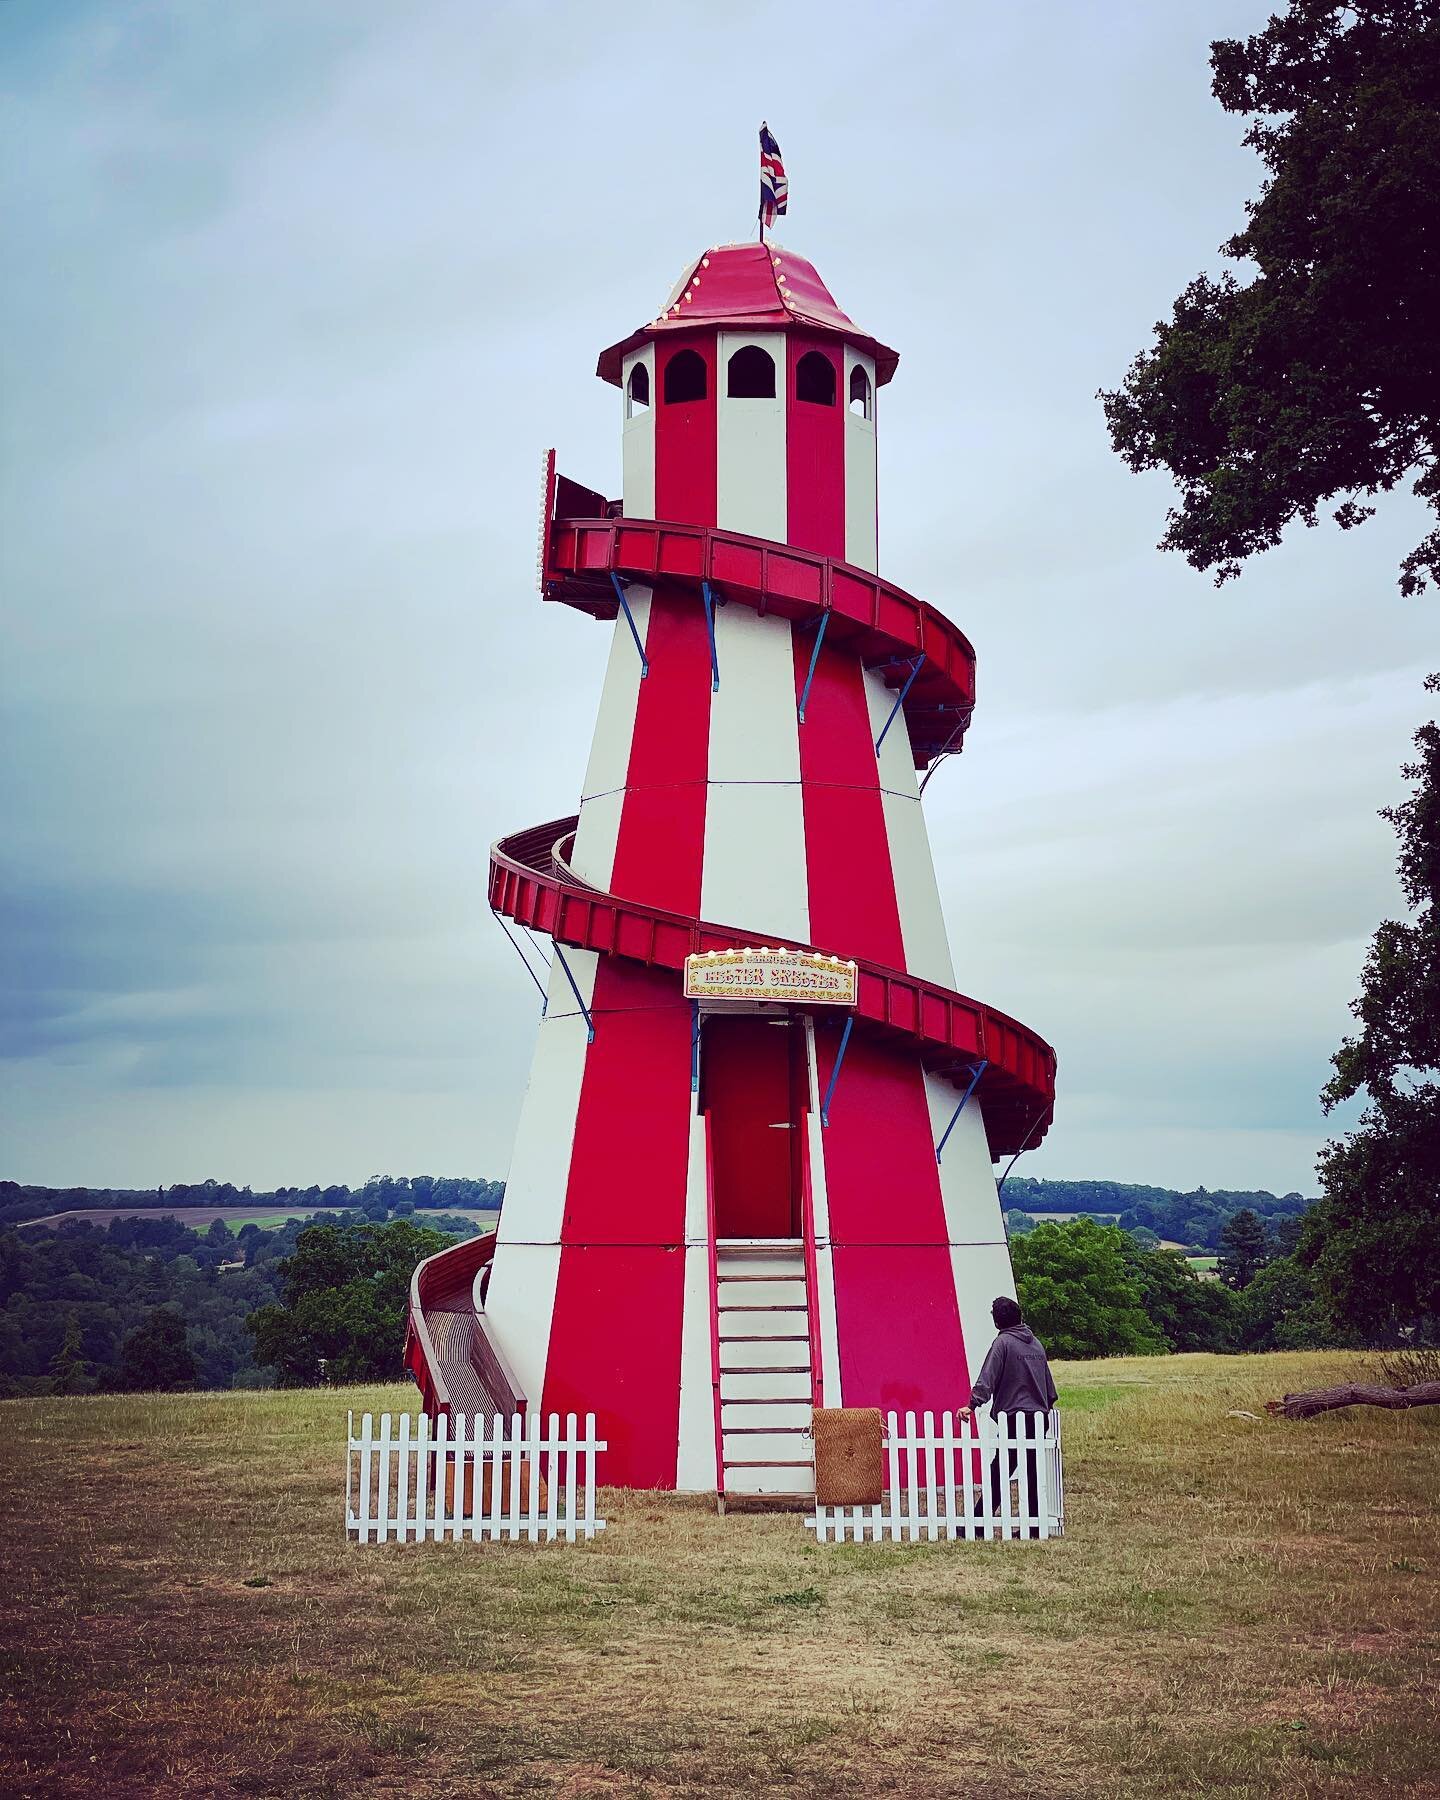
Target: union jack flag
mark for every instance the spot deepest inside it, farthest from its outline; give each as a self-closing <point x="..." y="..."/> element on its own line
<point x="774" y="188"/>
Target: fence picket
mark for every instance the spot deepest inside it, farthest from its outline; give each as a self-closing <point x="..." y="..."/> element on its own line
<point x="349" y="1471"/>
<point x="366" y="1427"/>
<point x="587" y="1466"/>
<point x="423" y="1483"/>
<point x="927" y="1452"/>
<point x="947" y="1473"/>
<point x="552" y="1470"/>
<point x="570" y="1478"/>
<point x="892" y="1448"/>
<point x="1020" y="1424"/>
<point x="402" y="1481"/>
<point x="437" y="1510"/>
<point x="532" y="1466"/>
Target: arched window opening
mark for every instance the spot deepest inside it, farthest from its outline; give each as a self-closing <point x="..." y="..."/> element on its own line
<point x="859" y="393"/>
<point x="637" y="393"/>
<point x="684" y="377"/>
<point x="815" y="379"/>
<point x="751" y="374"/>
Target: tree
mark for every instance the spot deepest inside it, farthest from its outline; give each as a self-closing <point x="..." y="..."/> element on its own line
<point x="344" y="1297"/>
<point x="69" y="1370"/>
<point x="1077" y="1293"/>
<point x="1191" y="1314"/>
<point x="1281" y="1309"/>
<point x="1318" y="378"/>
<point x="155" y="1357"/>
<point x="1244" y="1250"/>
<point x="1373" y="1239"/>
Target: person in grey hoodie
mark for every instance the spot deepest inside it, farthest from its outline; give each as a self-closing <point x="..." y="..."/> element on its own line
<point x="1015" y="1378"/>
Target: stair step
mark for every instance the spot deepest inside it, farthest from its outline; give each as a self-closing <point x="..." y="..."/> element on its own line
<point x="765" y="1385"/>
<point x="767" y="1337"/>
<point x="764" y="1430"/>
<point x="766" y="1368"/>
<point x="762" y="1446"/>
<point x="773" y="1462"/>
<point x="789" y="1306"/>
<point x="773" y="1481"/>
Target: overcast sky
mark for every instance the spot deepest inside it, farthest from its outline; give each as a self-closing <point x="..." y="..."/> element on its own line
<point x="295" y="292"/>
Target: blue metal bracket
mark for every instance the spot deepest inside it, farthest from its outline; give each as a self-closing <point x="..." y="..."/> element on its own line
<point x="835" y="1072"/>
<point x="709" y="600"/>
<point x="589" y="1022"/>
<point x="814" y="658"/>
<point x="619" y="587"/>
<point x="539" y="985"/>
<point x="694" y="1046"/>
<point x="915" y="668"/>
<point x="976" y="1071"/>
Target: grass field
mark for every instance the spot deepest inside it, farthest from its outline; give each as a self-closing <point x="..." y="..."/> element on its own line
<point x="1240" y="1606"/>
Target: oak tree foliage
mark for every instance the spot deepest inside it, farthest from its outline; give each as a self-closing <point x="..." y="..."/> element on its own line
<point x="1312" y="376"/>
<point x="1373" y="1238"/>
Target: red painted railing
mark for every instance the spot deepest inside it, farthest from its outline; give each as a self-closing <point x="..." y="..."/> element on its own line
<point x="531" y="883"/>
<point x="880" y="621"/>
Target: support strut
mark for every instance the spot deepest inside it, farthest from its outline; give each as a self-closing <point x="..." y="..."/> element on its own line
<point x="814" y="658"/>
<point x="915" y="668"/>
<point x="709" y="600"/>
<point x="835" y="1072"/>
<point x="976" y="1071"/>
<point x="619" y="587"/>
<point x="589" y="1022"/>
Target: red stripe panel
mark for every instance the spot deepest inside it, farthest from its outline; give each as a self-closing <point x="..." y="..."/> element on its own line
<point x="853" y="907"/>
<point x="815" y="457"/>
<point x="660" y="854"/>
<point x="897" y="1319"/>
<point x="619" y="1298"/>
<point x="685" y="453"/>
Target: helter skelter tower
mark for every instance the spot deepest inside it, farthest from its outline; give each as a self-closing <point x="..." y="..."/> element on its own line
<point x="745" y="1182"/>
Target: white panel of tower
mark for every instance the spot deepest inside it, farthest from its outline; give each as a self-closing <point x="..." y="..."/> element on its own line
<point x="755" y="874"/>
<point x="604" y="791"/>
<point x="637" y="441"/>
<point x="861" y="500"/>
<point x="527" y="1252"/>
<point x="750" y="493"/>
<point x="922" y="919"/>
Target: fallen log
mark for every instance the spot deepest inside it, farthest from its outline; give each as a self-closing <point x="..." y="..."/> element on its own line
<point x="1318" y="1400"/>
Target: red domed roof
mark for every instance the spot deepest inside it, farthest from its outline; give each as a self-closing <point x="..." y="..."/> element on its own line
<point x="761" y="286"/>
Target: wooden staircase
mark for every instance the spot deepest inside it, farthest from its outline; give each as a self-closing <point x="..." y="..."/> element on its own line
<point x="766" y="1387"/>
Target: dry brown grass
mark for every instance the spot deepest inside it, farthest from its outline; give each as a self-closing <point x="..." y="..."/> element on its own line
<point x="1240" y="1606"/>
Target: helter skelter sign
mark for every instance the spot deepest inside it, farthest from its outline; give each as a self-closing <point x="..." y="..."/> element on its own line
<point x="796" y="976"/>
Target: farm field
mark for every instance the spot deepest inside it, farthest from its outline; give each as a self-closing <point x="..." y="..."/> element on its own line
<point x="197" y="1217"/>
<point x="1241" y="1606"/>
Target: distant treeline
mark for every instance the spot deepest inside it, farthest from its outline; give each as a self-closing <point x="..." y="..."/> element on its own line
<point x="381" y="1197"/>
<point x="1196" y="1219"/>
<point x="149" y="1303"/>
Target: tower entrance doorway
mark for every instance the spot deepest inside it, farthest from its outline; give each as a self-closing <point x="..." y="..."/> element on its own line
<point x="755" y="1088"/>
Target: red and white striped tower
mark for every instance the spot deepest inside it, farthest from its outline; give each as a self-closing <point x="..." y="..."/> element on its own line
<point x="720" y="1213"/>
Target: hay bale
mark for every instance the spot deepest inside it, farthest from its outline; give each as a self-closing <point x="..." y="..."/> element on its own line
<point x="849" y="1455"/>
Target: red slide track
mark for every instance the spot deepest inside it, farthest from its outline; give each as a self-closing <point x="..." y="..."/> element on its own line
<point x="447" y="1348"/>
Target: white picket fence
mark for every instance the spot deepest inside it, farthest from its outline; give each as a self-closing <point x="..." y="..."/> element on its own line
<point x="504" y="1478"/>
<point x="938" y="1484"/>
